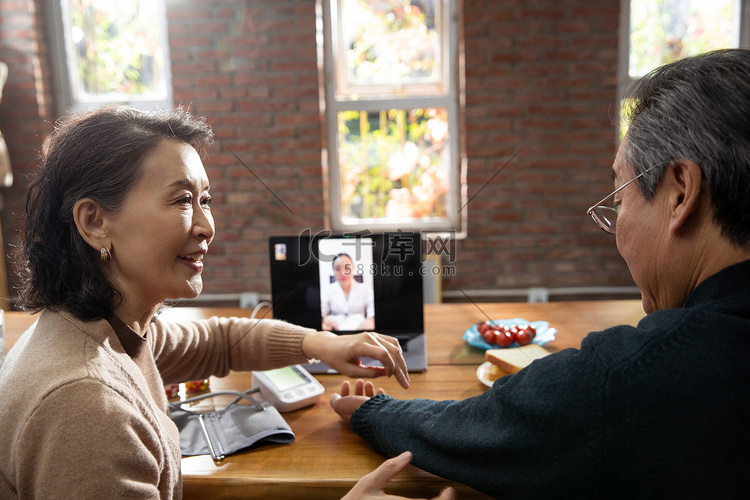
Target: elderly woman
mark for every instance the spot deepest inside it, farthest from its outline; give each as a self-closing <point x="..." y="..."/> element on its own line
<point x="118" y="219"/>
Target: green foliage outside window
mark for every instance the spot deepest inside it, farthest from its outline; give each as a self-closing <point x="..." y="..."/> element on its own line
<point x="662" y="31"/>
<point x="118" y="46"/>
<point x="390" y="41"/>
<point x="392" y="163"/>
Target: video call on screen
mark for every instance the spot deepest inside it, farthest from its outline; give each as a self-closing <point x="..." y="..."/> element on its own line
<point x="381" y="273"/>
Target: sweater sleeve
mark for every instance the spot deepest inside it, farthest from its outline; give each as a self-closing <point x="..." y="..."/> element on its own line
<point x="192" y="350"/>
<point x="64" y="451"/>
<point x="495" y="441"/>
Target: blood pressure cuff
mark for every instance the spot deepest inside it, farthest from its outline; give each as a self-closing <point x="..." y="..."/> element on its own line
<point x="236" y="427"/>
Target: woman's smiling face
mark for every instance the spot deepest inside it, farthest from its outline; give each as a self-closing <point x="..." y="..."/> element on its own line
<point x="163" y="230"/>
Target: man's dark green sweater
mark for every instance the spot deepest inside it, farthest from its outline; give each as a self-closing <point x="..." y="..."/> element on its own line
<point x="657" y="411"/>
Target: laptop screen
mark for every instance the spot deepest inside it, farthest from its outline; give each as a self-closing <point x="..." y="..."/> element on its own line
<point x="349" y="283"/>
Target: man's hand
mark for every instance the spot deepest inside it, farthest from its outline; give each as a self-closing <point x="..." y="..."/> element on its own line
<point x="372" y="486"/>
<point x="347" y="402"/>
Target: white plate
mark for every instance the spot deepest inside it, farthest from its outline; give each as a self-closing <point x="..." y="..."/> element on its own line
<point x="544" y="333"/>
<point x="482" y="372"/>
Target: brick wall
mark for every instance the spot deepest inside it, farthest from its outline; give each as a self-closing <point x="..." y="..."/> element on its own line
<point x="26" y="110"/>
<point x="540" y="82"/>
<point x="251" y="69"/>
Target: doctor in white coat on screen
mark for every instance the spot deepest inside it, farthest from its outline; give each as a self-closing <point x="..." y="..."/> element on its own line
<point x="347" y="304"/>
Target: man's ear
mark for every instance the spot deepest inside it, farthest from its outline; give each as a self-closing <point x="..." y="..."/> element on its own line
<point x="90" y="220"/>
<point x="684" y="179"/>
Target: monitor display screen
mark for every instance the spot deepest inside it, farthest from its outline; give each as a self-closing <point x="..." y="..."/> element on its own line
<point x="349" y="282"/>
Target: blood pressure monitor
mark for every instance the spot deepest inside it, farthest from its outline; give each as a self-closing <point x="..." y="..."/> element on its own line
<point x="288" y="388"/>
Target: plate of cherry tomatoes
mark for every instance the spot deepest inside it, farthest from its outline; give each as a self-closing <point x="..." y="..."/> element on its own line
<point x="514" y="332"/>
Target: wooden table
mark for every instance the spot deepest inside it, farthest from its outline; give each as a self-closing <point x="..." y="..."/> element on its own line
<point x="326" y="458"/>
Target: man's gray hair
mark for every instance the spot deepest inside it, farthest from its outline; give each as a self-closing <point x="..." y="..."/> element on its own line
<point x="697" y="108"/>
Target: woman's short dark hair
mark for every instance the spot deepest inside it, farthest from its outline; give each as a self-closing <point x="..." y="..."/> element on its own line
<point x="99" y="155"/>
<point x="697" y="108"/>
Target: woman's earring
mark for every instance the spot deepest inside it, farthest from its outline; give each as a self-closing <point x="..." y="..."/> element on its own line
<point x="106" y="254"/>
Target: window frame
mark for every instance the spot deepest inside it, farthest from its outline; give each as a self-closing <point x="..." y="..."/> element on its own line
<point x="455" y="219"/>
<point x="64" y="80"/>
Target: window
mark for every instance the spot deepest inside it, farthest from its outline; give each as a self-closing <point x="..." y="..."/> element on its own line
<point x="110" y="51"/>
<point x="391" y="109"/>
<point x="656" y="32"/>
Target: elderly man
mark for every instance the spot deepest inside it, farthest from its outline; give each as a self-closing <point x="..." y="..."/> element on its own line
<point x="657" y="411"/>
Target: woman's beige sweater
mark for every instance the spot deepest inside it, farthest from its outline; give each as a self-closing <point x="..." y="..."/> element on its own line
<point x="83" y="412"/>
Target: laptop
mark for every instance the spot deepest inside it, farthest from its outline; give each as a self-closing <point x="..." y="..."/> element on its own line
<point x="349" y="283"/>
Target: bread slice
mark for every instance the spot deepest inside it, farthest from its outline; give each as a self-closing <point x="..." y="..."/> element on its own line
<point x="511" y="360"/>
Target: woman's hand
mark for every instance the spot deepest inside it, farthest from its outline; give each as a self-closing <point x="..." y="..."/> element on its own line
<point x="346" y="403"/>
<point x="343" y="353"/>
<point x="371" y="486"/>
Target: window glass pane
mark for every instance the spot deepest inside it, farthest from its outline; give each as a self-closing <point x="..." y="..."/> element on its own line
<point x="393" y="163"/>
<point x="118" y="48"/>
<point x="391" y="43"/>
<point x="662" y="31"/>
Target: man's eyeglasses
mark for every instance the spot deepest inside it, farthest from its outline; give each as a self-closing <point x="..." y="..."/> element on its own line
<point x="606" y="216"/>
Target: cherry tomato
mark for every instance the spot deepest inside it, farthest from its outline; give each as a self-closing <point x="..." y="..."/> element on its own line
<point x="503" y="338"/>
<point x="513" y="329"/>
<point x="525" y="334"/>
<point x="523" y="338"/>
<point x="483" y="326"/>
<point x="489" y="336"/>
